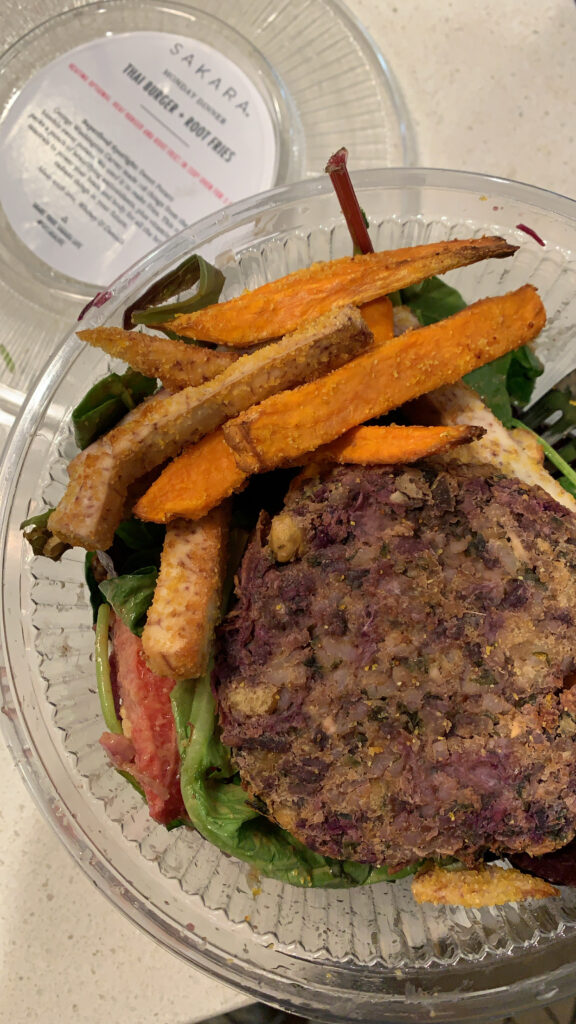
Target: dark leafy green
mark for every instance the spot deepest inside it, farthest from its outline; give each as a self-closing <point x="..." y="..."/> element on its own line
<point x="553" y="415"/>
<point x="107" y="402"/>
<point x="137" y="546"/>
<point x="220" y="810"/>
<point x="432" y="300"/>
<point x="131" y="596"/>
<point x="506" y="382"/>
<point x="41" y="540"/>
<point x="93" y="577"/>
<point x="523" y="372"/>
<point x="194" y="271"/>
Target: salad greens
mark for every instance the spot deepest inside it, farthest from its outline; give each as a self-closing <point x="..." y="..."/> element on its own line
<point x="507" y="382"/>
<point x="431" y="300"/>
<point x="131" y="596"/>
<point x="221" y="811"/>
<point x="216" y="804"/>
<point x="107" y="402"/>
<point x="124" y="577"/>
<point x="194" y="271"/>
<point x="40" y="538"/>
<point x="129" y="566"/>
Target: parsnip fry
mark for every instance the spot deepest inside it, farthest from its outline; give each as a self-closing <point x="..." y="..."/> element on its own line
<point x="175" y="363"/>
<point x="285" y="426"/>
<point x="157" y="430"/>
<point x="281" y="306"/>
<point x="178" y="633"/>
<point x="514" y="452"/>
<point x="489" y="886"/>
<point x="207" y="473"/>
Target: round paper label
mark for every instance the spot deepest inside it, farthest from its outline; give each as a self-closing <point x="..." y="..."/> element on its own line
<point x="120" y="143"/>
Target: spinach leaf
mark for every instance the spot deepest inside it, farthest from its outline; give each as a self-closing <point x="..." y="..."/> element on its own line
<point x="490" y="382"/>
<point x="506" y="382"/>
<point x="525" y="368"/>
<point x="553" y="415"/>
<point x="220" y="810"/>
<point x="193" y="271"/>
<point x="137" y="545"/>
<point x="432" y="300"/>
<point x="107" y="402"/>
<point x="131" y="596"/>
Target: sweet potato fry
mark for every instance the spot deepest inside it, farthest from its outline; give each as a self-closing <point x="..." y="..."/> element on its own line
<point x="207" y="473"/>
<point x="281" y="306"/>
<point x="379" y="316"/>
<point x="181" y="619"/>
<point x="157" y="430"/>
<point x="198" y="480"/>
<point x="175" y="363"/>
<point x="486" y="887"/>
<point x="285" y="426"/>
<point x="389" y="445"/>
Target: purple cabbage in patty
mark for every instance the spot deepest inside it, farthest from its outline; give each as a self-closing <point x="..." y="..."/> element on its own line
<point x="401" y="687"/>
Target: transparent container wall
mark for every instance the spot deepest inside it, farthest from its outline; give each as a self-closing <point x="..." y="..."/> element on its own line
<point x="388" y="959"/>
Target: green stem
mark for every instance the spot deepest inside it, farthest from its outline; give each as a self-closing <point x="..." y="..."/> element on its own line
<point x="550" y="453"/>
<point x="103" y="678"/>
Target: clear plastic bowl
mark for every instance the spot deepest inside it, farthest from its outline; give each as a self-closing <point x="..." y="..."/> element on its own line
<point x="385" y="957"/>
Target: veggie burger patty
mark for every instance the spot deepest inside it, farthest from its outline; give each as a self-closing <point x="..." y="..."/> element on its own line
<point x="396" y="677"/>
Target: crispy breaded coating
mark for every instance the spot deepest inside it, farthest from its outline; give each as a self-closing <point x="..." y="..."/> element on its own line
<point x="488" y="886"/>
<point x="514" y="452"/>
<point x="177" y="636"/>
<point x="175" y="363"/>
<point x="287" y="425"/>
<point x="157" y="430"/>
<point x="279" y="306"/>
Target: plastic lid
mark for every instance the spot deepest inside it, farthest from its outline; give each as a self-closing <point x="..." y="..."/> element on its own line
<point x="123" y="122"/>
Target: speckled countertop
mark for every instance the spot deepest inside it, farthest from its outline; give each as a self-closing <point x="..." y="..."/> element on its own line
<point x="491" y="87"/>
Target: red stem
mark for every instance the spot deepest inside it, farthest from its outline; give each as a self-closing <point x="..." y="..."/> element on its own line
<point x="344" y="189"/>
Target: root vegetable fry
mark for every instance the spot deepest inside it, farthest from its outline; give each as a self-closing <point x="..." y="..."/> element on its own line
<point x="388" y="445"/>
<point x="207" y="473"/>
<point x="514" y="452"/>
<point x="284" y="427"/>
<point x="281" y="306"/>
<point x="177" y="637"/>
<point x="379" y="316"/>
<point x="157" y="430"/>
<point x="194" y="483"/>
<point x="175" y="363"/>
<point x="488" y="886"/>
